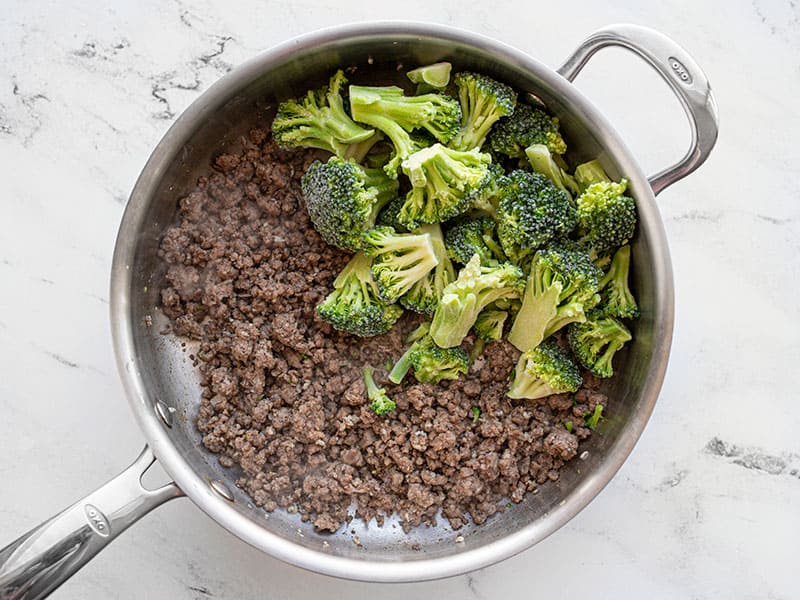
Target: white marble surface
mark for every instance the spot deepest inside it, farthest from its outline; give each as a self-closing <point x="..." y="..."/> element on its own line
<point x="707" y="504"/>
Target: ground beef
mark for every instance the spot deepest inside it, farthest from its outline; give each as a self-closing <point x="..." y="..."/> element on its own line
<point x="283" y="397"/>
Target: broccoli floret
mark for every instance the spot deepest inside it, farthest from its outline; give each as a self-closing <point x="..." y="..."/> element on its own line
<point x="531" y="213"/>
<point x="319" y="120"/>
<point x="388" y="215"/>
<point x="420" y="332"/>
<point x="485" y="197"/>
<point x="476" y="413"/>
<point x="379" y="401"/>
<point x="616" y="299"/>
<point x="562" y="286"/>
<point x="606" y="217"/>
<point x="595" y="417"/>
<point x="354" y="305"/>
<point x="489" y="325"/>
<point x="468" y="236"/>
<point x="543" y="162"/>
<point x="588" y="173"/>
<point x="483" y="101"/>
<point x="543" y="371"/>
<point x="525" y="127"/>
<point x="465" y="298"/>
<point x="596" y="341"/>
<point x="343" y="199"/>
<point x="399" y="260"/>
<point x="442" y="181"/>
<point x="387" y="109"/>
<point x="424" y="295"/>
<point x="430" y="78"/>
<point x="430" y="362"/>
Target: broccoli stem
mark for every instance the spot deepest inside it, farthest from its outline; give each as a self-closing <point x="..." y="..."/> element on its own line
<point x="401" y="367"/>
<point x="369" y="382"/>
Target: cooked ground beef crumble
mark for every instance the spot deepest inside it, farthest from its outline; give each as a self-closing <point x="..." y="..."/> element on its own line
<point x="283" y="395"/>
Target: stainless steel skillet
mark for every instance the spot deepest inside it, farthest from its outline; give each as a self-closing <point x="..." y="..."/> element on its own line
<point x="163" y="389"/>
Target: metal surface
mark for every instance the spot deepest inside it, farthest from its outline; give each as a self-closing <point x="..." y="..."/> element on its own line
<point x="681" y="73"/>
<point x="45" y="557"/>
<point x="154" y="366"/>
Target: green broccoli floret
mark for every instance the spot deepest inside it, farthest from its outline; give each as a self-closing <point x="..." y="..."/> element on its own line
<point x="399" y="260"/>
<point x="319" y="120"/>
<point x="531" y="213"/>
<point x="562" y="286"/>
<point x="468" y="236"/>
<point x="343" y="199"/>
<point x="616" y="299"/>
<point x="431" y="78"/>
<point x="379" y="401"/>
<point x="354" y="305"/>
<point x="442" y="181"/>
<point x="464" y="299"/>
<point x="388" y="215"/>
<point x="595" y="417"/>
<point x="397" y="115"/>
<point x="606" y="217"/>
<point x="483" y="101"/>
<point x="424" y="295"/>
<point x="543" y="162"/>
<point x="489" y="325"/>
<point x="525" y="127"/>
<point x="430" y="362"/>
<point x="588" y="173"/>
<point x="543" y="371"/>
<point x="476" y="413"/>
<point x="485" y="197"/>
<point x="596" y="341"/>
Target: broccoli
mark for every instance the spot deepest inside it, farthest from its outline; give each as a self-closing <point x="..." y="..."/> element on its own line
<point x="531" y="212"/>
<point x="543" y="371"/>
<point x="476" y="413"/>
<point x="430" y="362"/>
<point x="430" y="78"/>
<point x="484" y="198"/>
<point x="319" y="120"/>
<point x="467" y="236"/>
<point x="343" y="199"/>
<point x="596" y="341"/>
<point x="354" y="305"/>
<point x="525" y="127"/>
<point x="379" y="401"/>
<point x="388" y="215"/>
<point x="562" y="286"/>
<point x="387" y="109"/>
<point x="464" y="299"/>
<point x="488" y="328"/>
<point x="483" y="101"/>
<point x="588" y="173"/>
<point x="595" y="417"/>
<point x="420" y="332"/>
<point x="616" y="299"/>
<point x="442" y="183"/>
<point x="424" y="295"/>
<point x="399" y="260"/>
<point x="543" y="162"/>
<point x="606" y="217"/>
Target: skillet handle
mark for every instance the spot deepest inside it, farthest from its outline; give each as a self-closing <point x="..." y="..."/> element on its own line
<point x="681" y="73"/>
<point x="45" y="557"/>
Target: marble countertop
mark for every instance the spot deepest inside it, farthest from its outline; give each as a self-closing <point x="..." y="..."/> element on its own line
<point x="706" y="505"/>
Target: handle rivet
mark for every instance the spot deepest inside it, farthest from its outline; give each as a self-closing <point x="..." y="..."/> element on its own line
<point x="221" y="488"/>
<point x="164" y="413"/>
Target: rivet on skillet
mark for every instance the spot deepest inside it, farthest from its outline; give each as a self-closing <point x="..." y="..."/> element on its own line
<point x="164" y="413"/>
<point x="222" y="489"/>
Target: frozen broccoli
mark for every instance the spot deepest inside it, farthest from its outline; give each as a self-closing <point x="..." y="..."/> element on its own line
<point x="596" y="341"/>
<point x="588" y="173"/>
<point x="442" y="183"/>
<point x="343" y="199"/>
<point x="399" y="259"/>
<point x="531" y="213"/>
<point x="489" y="324"/>
<point x="464" y="299"/>
<point x="424" y="295"/>
<point x="543" y="371"/>
<point x="431" y="78"/>
<point x="319" y="120"/>
<point x="354" y="305"/>
<point x="467" y="236"/>
<point x="379" y="401"/>
<point x="483" y="101"/>
<point x="594" y="418"/>
<point x="542" y="161"/>
<point x="606" y="217"/>
<point x="562" y="286"/>
<point x="525" y="127"/>
<point x="388" y="215"/>
<point x="616" y="299"/>
<point x="431" y="363"/>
